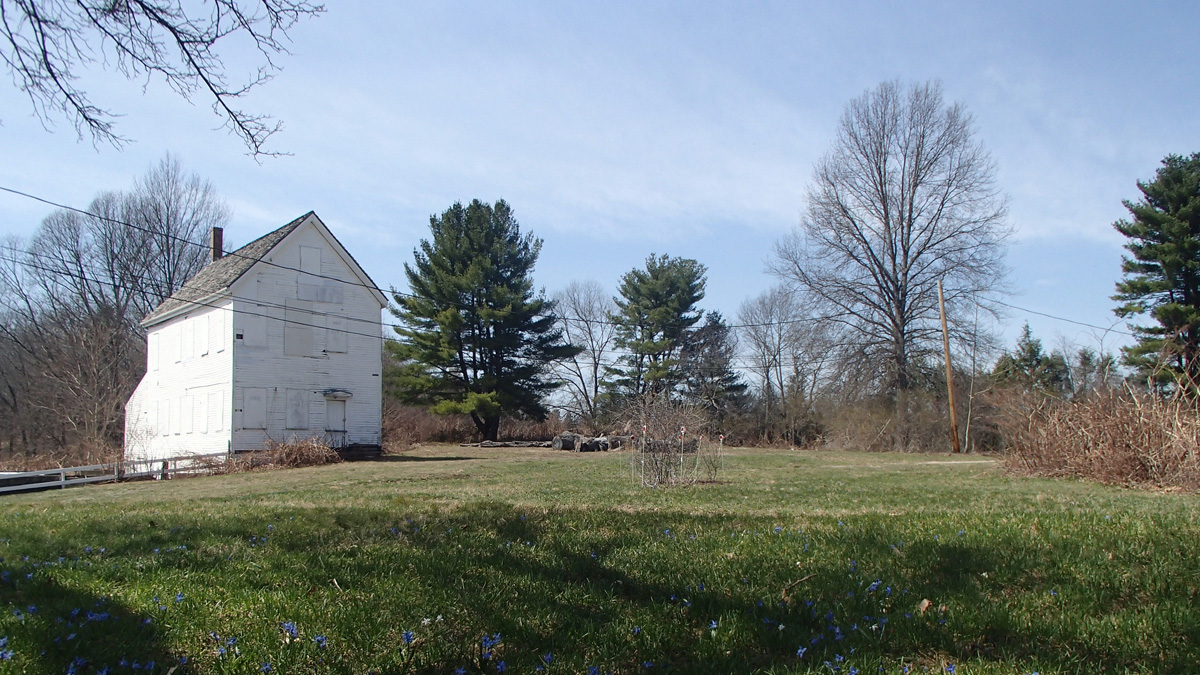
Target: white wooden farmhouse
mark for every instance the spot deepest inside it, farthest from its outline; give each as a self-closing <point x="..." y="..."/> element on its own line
<point x="277" y="340"/>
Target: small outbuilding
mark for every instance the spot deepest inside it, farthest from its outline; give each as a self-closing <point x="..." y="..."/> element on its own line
<point x="278" y="340"/>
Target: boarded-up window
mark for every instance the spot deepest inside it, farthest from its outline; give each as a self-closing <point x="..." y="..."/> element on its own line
<point x="202" y="335"/>
<point x="335" y="334"/>
<point x="253" y="326"/>
<point x="175" y="339"/>
<point x="200" y="413"/>
<point x="163" y="417"/>
<point x="297" y="328"/>
<point x="308" y="285"/>
<point x="214" y="411"/>
<point x="187" y="414"/>
<point x="297" y="409"/>
<point x="189" y="339"/>
<point x="152" y="351"/>
<point x="218" y="325"/>
<point x="310" y="260"/>
<point x="254" y="408"/>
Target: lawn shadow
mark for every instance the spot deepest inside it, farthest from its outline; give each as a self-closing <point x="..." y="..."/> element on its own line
<point x="59" y="628"/>
<point x="411" y="458"/>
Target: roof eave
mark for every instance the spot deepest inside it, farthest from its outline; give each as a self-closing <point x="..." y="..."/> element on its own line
<point x="205" y="302"/>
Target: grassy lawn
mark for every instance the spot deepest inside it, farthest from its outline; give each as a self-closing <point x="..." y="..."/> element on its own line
<point x="522" y="561"/>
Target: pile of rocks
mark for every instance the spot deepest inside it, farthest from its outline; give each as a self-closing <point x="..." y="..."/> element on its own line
<point x="580" y="443"/>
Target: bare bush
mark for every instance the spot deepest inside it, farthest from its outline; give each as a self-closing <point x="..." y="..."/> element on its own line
<point x="73" y="455"/>
<point x="665" y="452"/>
<point x="290" y="455"/>
<point x="405" y="426"/>
<point x="1114" y="436"/>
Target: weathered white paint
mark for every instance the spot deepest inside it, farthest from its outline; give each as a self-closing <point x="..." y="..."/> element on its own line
<point x="163" y="418"/>
<point x="257" y="366"/>
<point x="298" y="359"/>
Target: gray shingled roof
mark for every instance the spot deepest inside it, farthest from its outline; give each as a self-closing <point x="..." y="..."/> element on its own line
<point x="220" y="274"/>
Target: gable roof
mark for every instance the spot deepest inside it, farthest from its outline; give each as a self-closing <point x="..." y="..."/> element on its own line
<point x="222" y="273"/>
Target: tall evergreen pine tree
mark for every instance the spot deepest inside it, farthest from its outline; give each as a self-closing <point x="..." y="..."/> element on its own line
<point x="1162" y="278"/>
<point x="476" y="339"/>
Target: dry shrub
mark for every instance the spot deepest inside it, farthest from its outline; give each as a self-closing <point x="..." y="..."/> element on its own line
<point x="1115" y="436"/>
<point x="662" y="419"/>
<point x="873" y="424"/>
<point x="78" y="455"/>
<point x="290" y="455"/>
<point x="408" y="425"/>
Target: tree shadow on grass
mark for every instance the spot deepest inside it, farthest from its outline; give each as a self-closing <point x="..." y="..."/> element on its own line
<point x="54" y="627"/>
<point x="838" y="609"/>
<point x="411" y="458"/>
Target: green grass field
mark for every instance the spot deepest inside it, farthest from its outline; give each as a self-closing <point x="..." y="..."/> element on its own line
<point x="525" y="561"/>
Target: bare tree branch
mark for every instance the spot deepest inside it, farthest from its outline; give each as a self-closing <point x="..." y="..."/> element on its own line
<point x="46" y="44"/>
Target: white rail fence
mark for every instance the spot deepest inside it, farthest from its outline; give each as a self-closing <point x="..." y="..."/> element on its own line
<point x="64" y="477"/>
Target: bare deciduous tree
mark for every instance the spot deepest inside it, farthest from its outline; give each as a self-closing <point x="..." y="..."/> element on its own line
<point x="584" y="308"/>
<point x="767" y="333"/>
<point x="906" y="197"/>
<point x="71" y="300"/>
<point x="46" y="44"/>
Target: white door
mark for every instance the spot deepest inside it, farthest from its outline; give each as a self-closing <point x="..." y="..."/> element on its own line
<point x="335" y="422"/>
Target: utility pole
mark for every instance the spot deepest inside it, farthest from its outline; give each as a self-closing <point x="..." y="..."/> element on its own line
<point x="949" y="372"/>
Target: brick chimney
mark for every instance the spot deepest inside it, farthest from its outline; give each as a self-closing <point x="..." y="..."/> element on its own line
<point x="218" y="243"/>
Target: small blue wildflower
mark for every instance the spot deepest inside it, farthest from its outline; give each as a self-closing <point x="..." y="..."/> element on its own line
<point x="179" y="597"/>
<point x="501" y="667"/>
<point x="548" y="657"/>
<point x="593" y="670"/>
<point x="289" y="627"/>
<point x="6" y="654"/>
<point x="713" y="624"/>
<point x="460" y="671"/>
<point x="800" y="652"/>
<point x="320" y="640"/>
<point x="407" y="637"/>
<point x="266" y="667"/>
<point x="637" y="630"/>
<point x="950" y="669"/>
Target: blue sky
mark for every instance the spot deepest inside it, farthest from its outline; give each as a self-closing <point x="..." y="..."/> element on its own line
<point x="620" y="129"/>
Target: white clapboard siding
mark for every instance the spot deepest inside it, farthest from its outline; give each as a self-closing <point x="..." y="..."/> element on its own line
<point x="288" y="354"/>
<point x="178" y="407"/>
<point x="284" y="338"/>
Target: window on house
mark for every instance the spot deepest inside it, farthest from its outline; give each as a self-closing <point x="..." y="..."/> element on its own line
<point x="187" y="414"/>
<point x="200" y="413"/>
<point x="335" y="334"/>
<point x="297" y="328"/>
<point x="214" y="411"/>
<point x="297" y="409"/>
<point x="202" y="335"/>
<point x="189" y="339"/>
<point x="254" y="408"/>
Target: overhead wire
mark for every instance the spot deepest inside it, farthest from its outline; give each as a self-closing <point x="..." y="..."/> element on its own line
<point x="400" y="294"/>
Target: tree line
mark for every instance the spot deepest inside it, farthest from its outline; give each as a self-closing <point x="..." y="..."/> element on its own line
<point x="72" y="297"/>
<point x="850" y="335"/>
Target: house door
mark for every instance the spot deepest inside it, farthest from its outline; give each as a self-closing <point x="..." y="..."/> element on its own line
<point x="335" y="422"/>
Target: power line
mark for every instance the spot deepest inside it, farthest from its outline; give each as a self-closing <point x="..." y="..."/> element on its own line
<point x="744" y="362"/>
<point x="398" y="294"/>
<point x="1109" y="329"/>
<point x="393" y="292"/>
